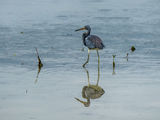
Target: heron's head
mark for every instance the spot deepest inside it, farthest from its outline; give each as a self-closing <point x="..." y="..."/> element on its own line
<point x="87" y="27"/>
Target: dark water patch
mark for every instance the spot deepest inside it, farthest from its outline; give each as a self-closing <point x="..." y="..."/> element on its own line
<point x="101" y="18"/>
<point x="113" y="19"/>
<point x="3" y="83"/>
<point x="93" y="1"/>
<point x="4" y="29"/>
<point x="125" y="9"/>
<point x="62" y="17"/>
<point x="120" y="18"/>
<point x="105" y="10"/>
<point x="19" y="63"/>
<point x="40" y="24"/>
<point x="33" y="31"/>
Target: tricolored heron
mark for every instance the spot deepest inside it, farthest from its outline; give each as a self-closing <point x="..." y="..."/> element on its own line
<point x="91" y="91"/>
<point x="93" y="42"/>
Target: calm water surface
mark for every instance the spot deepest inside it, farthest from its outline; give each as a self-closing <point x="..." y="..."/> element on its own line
<point x="131" y="93"/>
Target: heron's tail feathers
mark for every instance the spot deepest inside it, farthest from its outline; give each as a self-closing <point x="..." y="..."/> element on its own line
<point x="102" y="45"/>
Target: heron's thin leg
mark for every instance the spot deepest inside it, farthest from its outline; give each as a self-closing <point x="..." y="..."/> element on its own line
<point x="87" y="76"/>
<point x="87" y="59"/>
<point x="98" y="67"/>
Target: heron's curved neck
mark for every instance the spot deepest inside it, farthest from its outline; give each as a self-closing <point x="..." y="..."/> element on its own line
<point x="86" y="34"/>
<point x="83" y="92"/>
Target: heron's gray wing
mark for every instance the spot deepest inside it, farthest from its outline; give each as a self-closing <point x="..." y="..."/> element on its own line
<point x="94" y="41"/>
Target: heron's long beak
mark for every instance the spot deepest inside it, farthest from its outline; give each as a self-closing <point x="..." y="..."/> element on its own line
<point x="86" y="104"/>
<point x="80" y="101"/>
<point x="81" y="29"/>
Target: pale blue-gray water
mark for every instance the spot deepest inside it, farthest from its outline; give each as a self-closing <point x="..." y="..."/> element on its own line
<point x="132" y="93"/>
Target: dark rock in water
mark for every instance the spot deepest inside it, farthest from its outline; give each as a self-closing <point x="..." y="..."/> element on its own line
<point x="133" y="48"/>
<point x="22" y="63"/>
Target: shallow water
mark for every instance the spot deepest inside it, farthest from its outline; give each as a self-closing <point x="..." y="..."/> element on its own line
<point x="132" y="93"/>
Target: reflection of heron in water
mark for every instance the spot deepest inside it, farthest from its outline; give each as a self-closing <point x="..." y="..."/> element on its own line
<point x="91" y="91"/>
<point x="40" y="65"/>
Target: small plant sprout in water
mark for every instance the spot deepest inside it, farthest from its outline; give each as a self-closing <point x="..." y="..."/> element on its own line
<point x="26" y="91"/>
<point x="127" y="56"/>
<point x="133" y="48"/>
<point x="40" y="65"/>
<point x="113" y="60"/>
<point x="113" y="73"/>
<point x="39" y="60"/>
